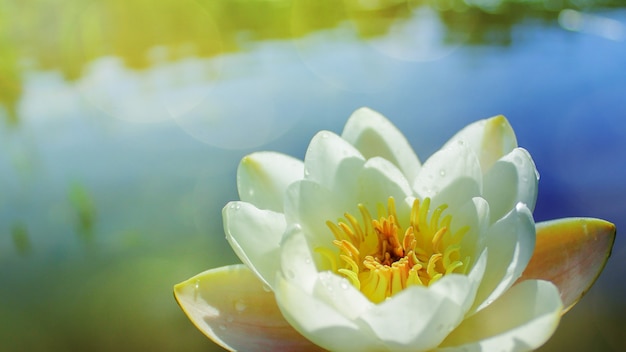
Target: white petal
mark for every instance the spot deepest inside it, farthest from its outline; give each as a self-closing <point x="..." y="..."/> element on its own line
<point x="233" y="308"/>
<point x="311" y="205"/>
<point x="255" y="235"/>
<point x="451" y="176"/>
<point x="475" y="215"/>
<point x="510" y="242"/>
<point x="338" y="293"/>
<point x="511" y="180"/>
<point x="263" y="177"/>
<point x="522" y="319"/>
<point x="321" y="324"/>
<point x="332" y="162"/>
<point x="378" y="181"/>
<point x="419" y="318"/>
<point x="490" y="139"/>
<point x="298" y="264"/>
<point x="373" y="135"/>
<point x="475" y="276"/>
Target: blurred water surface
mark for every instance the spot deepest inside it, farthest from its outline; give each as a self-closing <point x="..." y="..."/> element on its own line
<point x="122" y="124"/>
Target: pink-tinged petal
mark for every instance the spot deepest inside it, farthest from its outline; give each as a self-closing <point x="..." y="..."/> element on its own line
<point x="263" y="177"/>
<point x="490" y="139"/>
<point x="522" y="319"/>
<point x="232" y="307"/>
<point x="571" y="253"/>
<point x="373" y="135"/>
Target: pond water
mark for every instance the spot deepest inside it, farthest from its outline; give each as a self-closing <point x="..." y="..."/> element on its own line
<point x="122" y="124"/>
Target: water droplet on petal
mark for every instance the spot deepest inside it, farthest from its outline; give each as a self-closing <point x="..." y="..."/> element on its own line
<point x="196" y="290"/>
<point x="324" y="134"/>
<point x="344" y="284"/>
<point x="290" y="274"/>
<point x="222" y="327"/>
<point x="240" y="305"/>
<point x="442" y="172"/>
<point x="460" y="142"/>
<point x="306" y="172"/>
<point x="267" y="288"/>
<point x="307" y="260"/>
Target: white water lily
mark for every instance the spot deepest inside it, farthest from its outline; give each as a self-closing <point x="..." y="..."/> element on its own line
<point x="362" y="248"/>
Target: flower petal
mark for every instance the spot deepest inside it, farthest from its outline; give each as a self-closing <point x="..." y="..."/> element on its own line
<point x="419" y="318"/>
<point x="321" y="323"/>
<point x="450" y="176"/>
<point x="330" y="161"/>
<point x="231" y="307"/>
<point x="520" y="320"/>
<point x="310" y="205"/>
<point x="490" y="139"/>
<point x="510" y="244"/>
<point x="511" y="180"/>
<point x="263" y="177"/>
<point x="475" y="215"/>
<point x="571" y="253"/>
<point x="254" y="235"/>
<point x="378" y="181"/>
<point x="373" y="135"/>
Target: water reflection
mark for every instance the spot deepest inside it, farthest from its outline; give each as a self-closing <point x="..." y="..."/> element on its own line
<point x="71" y="35"/>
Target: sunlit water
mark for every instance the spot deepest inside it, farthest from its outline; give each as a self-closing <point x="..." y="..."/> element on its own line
<point x="116" y="156"/>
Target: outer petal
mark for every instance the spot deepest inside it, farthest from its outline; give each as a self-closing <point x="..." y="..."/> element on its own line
<point x="510" y="244"/>
<point x="419" y="318"/>
<point x="231" y="307"/>
<point x="511" y="180"/>
<point x="571" y="253"/>
<point x="263" y="177"/>
<point x="490" y="139"/>
<point x="521" y="320"/>
<point x="255" y="235"/>
<point x="373" y="135"/>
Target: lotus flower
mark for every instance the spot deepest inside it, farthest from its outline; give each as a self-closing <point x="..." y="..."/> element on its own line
<point x="363" y="248"/>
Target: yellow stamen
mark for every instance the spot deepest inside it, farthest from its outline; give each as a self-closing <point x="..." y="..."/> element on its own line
<point x="381" y="258"/>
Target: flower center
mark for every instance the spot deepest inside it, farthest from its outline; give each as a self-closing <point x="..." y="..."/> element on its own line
<point x="381" y="258"/>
